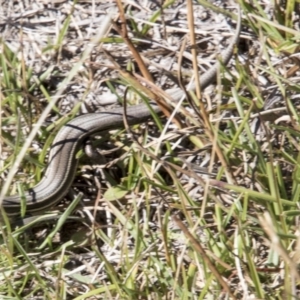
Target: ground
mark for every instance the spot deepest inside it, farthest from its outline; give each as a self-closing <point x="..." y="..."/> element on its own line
<point x="200" y="206"/>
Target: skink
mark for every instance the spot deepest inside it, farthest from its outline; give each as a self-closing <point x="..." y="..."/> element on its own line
<point x="62" y="162"/>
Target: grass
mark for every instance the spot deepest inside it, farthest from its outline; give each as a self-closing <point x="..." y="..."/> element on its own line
<point x="147" y="225"/>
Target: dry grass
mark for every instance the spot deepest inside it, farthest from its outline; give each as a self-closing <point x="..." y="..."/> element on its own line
<point x="159" y="216"/>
